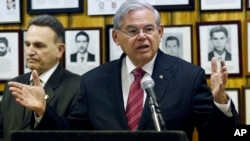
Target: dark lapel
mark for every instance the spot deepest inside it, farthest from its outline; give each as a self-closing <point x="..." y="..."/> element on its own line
<point x="162" y="74"/>
<point x="54" y="82"/>
<point x="113" y="82"/>
<point x="22" y="111"/>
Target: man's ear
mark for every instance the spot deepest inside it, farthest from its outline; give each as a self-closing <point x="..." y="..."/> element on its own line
<point x="115" y="37"/>
<point x="161" y="30"/>
<point x="61" y="49"/>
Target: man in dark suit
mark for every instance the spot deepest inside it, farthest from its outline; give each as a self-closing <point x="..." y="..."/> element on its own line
<point x="185" y="99"/>
<point x="82" y="54"/>
<point x="44" y="46"/>
<point x="219" y="40"/>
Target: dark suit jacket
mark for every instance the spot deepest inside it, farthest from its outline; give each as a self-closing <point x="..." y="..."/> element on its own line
<point x="91" y="57"/>
<point x="62" y="88"/>
<point x="184" y="98"/>
<point x="228" y="56"/>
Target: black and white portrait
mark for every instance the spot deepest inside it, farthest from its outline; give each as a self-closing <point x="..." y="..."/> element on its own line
<point x="219" y="43"/>
<point x="82" y="49"/>
<point x="172" y="44"/>
<point x="219" y="40"/>
<point x="10" y="11"/>
<point x="9" y="55"/>
<point x="177" y="41"/>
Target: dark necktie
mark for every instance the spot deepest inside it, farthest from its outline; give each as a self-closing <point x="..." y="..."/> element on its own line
<point x="82" y="59"/>
<point x="135" y="100"/>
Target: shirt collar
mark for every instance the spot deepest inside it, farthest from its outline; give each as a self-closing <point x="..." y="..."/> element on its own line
<point x="148" y="68"/>
<point x="46" y="75"/>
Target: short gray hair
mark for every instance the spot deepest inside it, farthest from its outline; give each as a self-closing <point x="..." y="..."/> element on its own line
<point x="133" y="5"/>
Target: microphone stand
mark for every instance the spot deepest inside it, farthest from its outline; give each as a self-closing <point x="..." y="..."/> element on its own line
<point x="156" y="113"/>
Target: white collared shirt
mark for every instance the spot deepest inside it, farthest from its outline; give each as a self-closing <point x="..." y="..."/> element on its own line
<point x="128" y="77"/>
<point x="46" y="75"/>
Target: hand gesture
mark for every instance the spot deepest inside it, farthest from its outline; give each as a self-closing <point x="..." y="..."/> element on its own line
<point x="218" y="81"/>
<point x="31" y="97"/>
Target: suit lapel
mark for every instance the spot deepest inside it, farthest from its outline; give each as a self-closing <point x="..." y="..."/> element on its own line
<point x="115" y="91"/>
<point x="26" y="114"/>
<point x="162" y="75"/>
<point x="53" y="83"/>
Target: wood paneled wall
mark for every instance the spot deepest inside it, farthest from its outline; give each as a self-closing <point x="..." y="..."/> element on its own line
<point x="74" y="20"/>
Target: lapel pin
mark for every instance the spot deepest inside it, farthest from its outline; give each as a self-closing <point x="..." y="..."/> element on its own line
<point x="46" y="96"/>
<point x="161" y="76"/>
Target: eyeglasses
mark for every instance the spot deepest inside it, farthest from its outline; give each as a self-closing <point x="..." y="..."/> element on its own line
<point x="132" y="31"/>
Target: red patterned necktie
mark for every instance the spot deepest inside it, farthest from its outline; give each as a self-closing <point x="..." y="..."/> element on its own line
<point x="135" y="100"/>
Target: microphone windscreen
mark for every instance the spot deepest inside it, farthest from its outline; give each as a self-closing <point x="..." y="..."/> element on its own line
<point x="147" y="82"/>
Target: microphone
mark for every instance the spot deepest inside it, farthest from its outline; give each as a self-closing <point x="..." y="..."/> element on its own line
<point x="147" y="84"/>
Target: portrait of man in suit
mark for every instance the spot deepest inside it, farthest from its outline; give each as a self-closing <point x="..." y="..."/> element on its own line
<point x="82" y="44"/>
<point x="219" y="39"/>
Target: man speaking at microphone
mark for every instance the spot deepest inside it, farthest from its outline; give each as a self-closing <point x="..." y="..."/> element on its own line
<point x="112" y="98"/>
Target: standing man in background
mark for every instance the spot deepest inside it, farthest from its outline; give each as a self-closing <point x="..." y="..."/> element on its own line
<point x="82" y="54"/>
<point x="106" y="98"/>
<point x="44" y="47"/>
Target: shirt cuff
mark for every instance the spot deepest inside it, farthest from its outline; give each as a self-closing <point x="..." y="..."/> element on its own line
<point x="225" y="108"/>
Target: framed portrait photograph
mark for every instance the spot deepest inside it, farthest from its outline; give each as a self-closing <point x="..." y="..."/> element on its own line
<point x="177" y="41"/>
<point x="245" y="100"/>
<point x="220" y="5"/>
<point x="10" y="54"/>
<point x="10" y="11"/>
<point x="83" y="49"/>
<point x="113" y="51"/>
<point x="234" y="93"/>
<point x="54" y="6"/>
<point x="221" y="40"/>
<point x="104" y="7"/>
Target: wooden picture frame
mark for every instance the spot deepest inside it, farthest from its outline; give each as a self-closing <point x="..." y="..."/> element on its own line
<point x="179" y="5"/>
<point x="247" y="51"/>
<point x="247" y="4"/>
<point x="104" y="7"/>
<point x="83" y="38"/>
<point x="25" y="68"/>
<point x="180" y="42"/>
<point x="10" y="54"/>
<point x="113" y="51"/>
<point x="235" y="95"/>
<point x="10" y="12"/>
<point x="51" y="6"/>
<point x="227" y="33"/>
<point x="245" y="101"/>
<point x="218" y="5"/>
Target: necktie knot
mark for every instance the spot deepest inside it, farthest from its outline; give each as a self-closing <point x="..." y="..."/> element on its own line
<point x="138" y="72"/>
